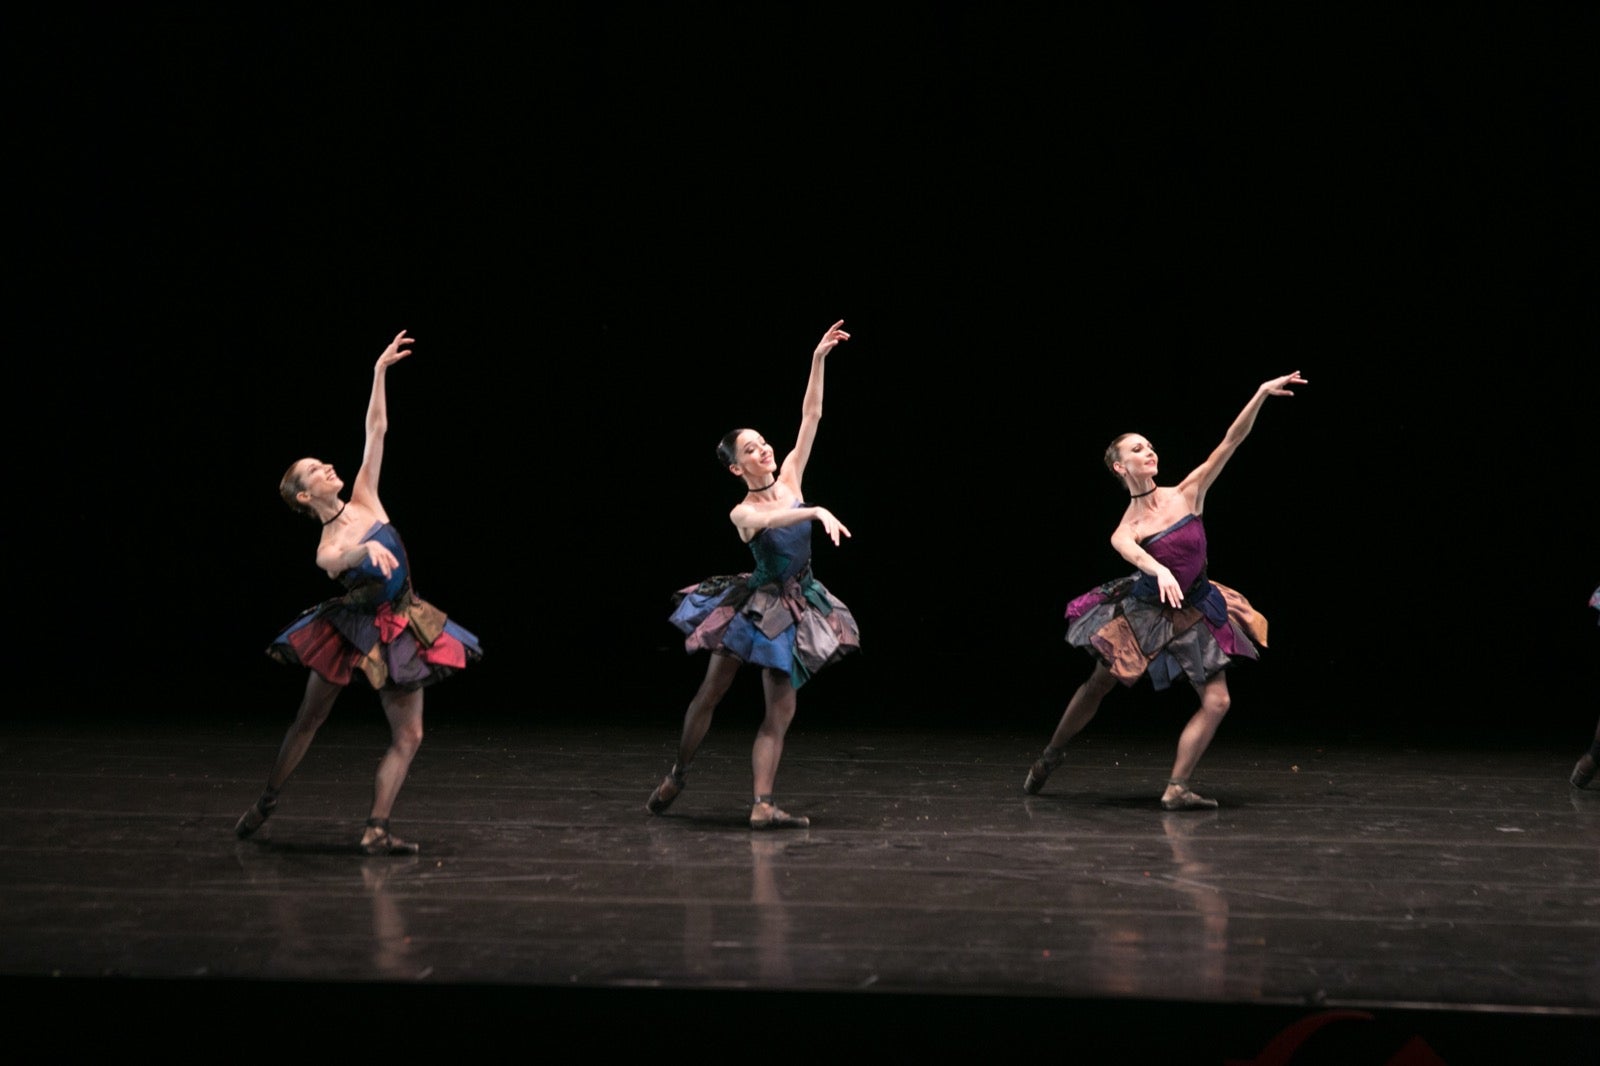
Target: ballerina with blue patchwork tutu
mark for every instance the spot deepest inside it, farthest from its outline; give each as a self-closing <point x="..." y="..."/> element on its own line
<point x="777" y="616"/>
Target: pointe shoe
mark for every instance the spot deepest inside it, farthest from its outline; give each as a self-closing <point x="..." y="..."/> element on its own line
<point x="253" y="818"/>
<point x="385" y="842"/>
<point x="1039" y="772"/>
<point x="666" y="792"/>
<point x="1185" y="800"/>
<point x="766" y="815"/>
<point x="1583" y="772"/>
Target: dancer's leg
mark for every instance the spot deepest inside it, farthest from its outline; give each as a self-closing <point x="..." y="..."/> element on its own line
<point x="404" y="711"/>
<point x="315" y="705"/>
<point x="1583" y="770"/>
<point x="1080" y="710"/>
<point x="767" y="751"/>
<point x="720" y="672"/>
<point x="1192" y="743"/>
<point x="768" y="748"/>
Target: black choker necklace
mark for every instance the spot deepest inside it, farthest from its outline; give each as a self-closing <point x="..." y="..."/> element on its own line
<point x="1139" y="495"/>
<point x="335" y="518"/>
<point x="768" y="485"/>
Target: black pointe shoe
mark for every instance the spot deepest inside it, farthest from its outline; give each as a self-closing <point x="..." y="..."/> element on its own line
<point x="385" y="842"/>
<point x="666" y="792"/>
<point x="1583" y="771"/>
<point x="255" y="817"/>
<point x="1039" y="773"/>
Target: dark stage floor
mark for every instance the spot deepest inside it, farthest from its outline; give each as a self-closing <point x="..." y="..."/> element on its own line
<point x="1387" y="900"/>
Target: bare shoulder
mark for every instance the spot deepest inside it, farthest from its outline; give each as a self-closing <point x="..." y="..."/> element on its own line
<point x="350" y="527"/>
<point x="1172" y="505"/>
<point x="744" y="517"/>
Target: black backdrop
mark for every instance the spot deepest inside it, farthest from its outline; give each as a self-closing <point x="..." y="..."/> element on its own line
<point x="617" y="230"/>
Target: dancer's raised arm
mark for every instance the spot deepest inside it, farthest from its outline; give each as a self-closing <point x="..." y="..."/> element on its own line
<point x="794" y="464"/>
<point x="365" y="488"/>
<point x="1199" y="479"/>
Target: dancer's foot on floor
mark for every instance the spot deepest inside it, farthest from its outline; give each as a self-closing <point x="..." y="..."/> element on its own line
<point x="1179" y="797"/>
<point x="377" y="840"/>
<point x="665" y="792"/>
<point x="256" y="816"/>
<point x="765" y="814"/>
<point x="1040" y="771"/>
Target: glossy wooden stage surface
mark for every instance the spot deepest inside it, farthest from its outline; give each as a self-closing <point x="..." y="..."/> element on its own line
<point x="1354" y="896"/>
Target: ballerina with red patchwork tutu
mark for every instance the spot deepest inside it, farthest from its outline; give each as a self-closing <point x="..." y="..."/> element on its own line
<point x="379" y="630"/>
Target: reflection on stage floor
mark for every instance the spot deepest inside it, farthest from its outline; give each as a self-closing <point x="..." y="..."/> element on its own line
<point x="1345" y="894"/>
